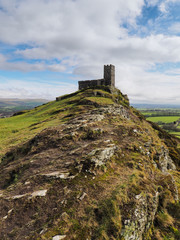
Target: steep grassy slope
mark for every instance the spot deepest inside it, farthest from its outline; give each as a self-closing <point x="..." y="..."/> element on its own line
<point x="28" y="123"/>
<point x="88" y="166"/>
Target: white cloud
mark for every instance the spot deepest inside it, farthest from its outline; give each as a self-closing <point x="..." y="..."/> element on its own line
<point x="83" y="31"/>
<point x="26" y="67"/>
<point x="148" y="87"/>
<point x="164" y="6"/>
<point x="79" y="30"/>
<point x="83" y="36"/>
<point x="153" y="2"/>
<point x="26" y="89"/>
<point x="50" y="21"/>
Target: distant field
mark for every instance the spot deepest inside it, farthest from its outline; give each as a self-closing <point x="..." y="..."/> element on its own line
<point x="164" y="119"/>
<point x="168" y="119"/>
<point x="144" y="112"/>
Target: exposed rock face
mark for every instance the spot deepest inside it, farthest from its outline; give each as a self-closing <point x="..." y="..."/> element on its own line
<point x="142" y="217"/>
<point x="101" y="156"/>
<point x="102" y="172"/>
<point x="165" y="163"/>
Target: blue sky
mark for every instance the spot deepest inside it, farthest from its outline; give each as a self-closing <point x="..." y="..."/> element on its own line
<point x="46" y="46"/>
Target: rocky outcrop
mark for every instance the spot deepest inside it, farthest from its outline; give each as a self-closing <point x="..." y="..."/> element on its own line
<point x="164" y="161"/>
<point x="100" y="156"/>
<point x="97" y="171"/>
<point x="142" y="217"/>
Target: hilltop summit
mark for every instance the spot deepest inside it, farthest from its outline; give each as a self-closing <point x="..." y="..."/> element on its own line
<point x="88" y="166"/>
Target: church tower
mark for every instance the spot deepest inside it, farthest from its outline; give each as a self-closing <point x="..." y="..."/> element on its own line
<point x="109" y="75"/>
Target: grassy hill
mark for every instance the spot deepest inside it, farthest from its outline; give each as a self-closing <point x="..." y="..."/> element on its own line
<point x="28" y="123"/>
<point x="88" y="166"/>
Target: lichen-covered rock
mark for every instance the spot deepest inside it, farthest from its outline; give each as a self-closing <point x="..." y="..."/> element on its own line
<point x="101" y="156"/>
<point x="116" y="110"/>
<point x="142" y="217"/>
<point x="165" y="162"/>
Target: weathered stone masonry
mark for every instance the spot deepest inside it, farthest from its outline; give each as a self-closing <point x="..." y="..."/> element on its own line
<point x="108" y="80"/>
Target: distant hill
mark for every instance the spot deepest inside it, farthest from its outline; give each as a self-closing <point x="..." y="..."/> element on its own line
<point x="9" y="106"/>
<point x="154" y="106"/>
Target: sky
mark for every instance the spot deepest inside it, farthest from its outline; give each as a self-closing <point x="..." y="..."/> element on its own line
<point x="47" y="46"/>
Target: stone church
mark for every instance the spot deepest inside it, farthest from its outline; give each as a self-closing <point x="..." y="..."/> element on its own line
<point x="108" y="80"/>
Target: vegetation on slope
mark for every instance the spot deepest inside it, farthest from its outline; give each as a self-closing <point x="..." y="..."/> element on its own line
<point x="28" y="123"/>
<point x="88" y="166"/>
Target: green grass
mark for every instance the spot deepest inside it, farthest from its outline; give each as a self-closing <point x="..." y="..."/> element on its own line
<point x="146" y="112"/>
<point x="18" y="129"/>
<point x="100" y="100"/>
<point x="175" y="133"/>
<point x="164" y="119"/>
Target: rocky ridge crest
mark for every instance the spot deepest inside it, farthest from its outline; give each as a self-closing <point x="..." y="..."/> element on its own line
<point x="104" y="172"/>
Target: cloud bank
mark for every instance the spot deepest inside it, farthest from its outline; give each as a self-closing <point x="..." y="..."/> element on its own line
<point x="78" y="37"/>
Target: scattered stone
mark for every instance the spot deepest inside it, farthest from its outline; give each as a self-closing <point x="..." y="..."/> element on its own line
<point x="64" y="201"/>
<point x="40" y="193"/>
<point x="43" y="231"/>
<point x="148" y="153"/>
<point x="83" y="196"/>
<point x="26" y="183"/>
<point x="58" y="237"/>
<point x="10" y="211"/>
<point x="62" y="175"/>
<point x="19" y="196"/>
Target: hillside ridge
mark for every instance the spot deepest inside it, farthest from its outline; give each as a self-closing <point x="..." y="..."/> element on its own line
<point x="88" y="166"/>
